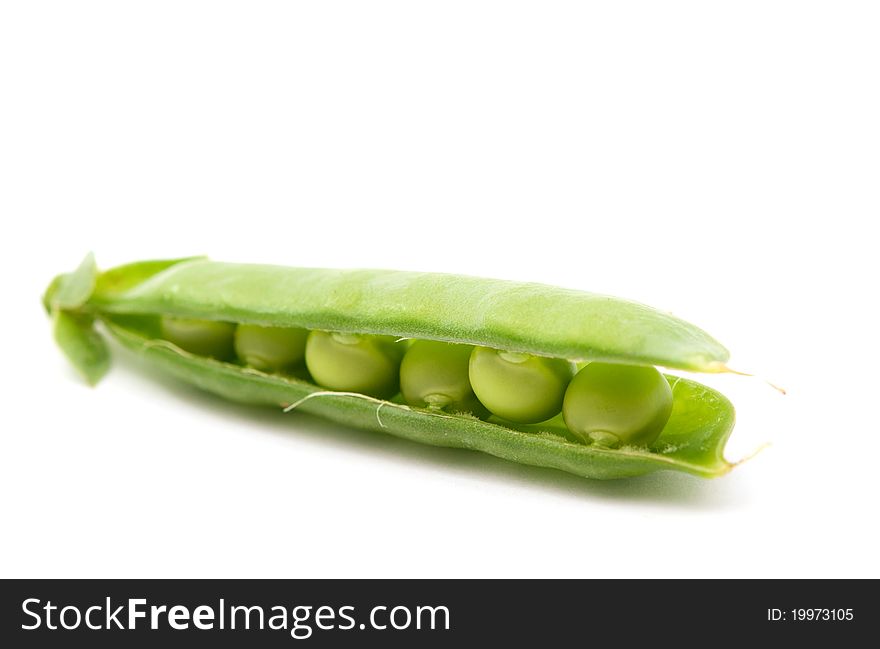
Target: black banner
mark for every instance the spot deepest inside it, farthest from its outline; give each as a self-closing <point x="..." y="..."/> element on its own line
<point x="279" y="613"/>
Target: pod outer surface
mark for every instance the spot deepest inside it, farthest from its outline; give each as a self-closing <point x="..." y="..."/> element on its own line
<point x="515" y="316"/>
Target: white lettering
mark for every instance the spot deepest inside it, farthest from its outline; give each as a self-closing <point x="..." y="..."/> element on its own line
<point x="203" y="617"/>
<point x="373" y="617"/>
<point x="134" y="613"/>
<point x="89" y="617"/>
<point x="281" y="618"/>
<point x="408" y="617"/>
<point x="298" y="625"/>
<point x="49" y="608"/>
<point x="78" y="617"/>
<point x="112" y="618"/>
<point x="24" y="608"/>
<point x="178" y="617"/>
<point x="247" y="616"/>
<point x="154" y="615"/>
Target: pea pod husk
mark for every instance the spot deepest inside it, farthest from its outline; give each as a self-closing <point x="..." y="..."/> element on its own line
<point x="507" y="315"/>
<point x="515" y="316"/>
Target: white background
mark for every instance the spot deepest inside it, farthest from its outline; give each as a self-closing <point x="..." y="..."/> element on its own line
<point x="718" y="160"/>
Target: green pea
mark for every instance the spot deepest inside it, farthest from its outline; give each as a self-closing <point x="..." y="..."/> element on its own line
<point x="435" y="375"/>
<point x="270" y="349"/>
<point x="612" y="405"/>
<point x="354" y="362"/>
<point x="519" y="387"/>
<point x="200" y="337"/>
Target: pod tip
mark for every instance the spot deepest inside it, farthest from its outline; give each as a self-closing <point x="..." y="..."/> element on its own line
<point x="723" y="368"/>
<point x="751" y="455"/>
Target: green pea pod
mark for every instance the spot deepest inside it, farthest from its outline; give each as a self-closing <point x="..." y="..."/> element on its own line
<point x="519" y="317"/>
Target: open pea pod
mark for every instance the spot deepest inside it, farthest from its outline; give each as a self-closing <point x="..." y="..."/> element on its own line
<point x="519" y="317"/>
